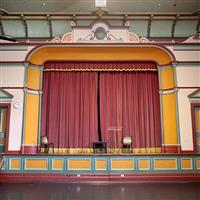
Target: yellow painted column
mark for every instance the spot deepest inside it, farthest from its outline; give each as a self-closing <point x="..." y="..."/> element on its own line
<point x="170" y="132"/>
<point x="33" y="84"/>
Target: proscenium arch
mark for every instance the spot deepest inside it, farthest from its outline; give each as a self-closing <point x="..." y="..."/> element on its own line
<point x="77" y="52"/>
<point x="99" y="52"/>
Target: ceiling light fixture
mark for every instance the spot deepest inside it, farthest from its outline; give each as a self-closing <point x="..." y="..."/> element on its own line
<point x="100" y="3"/>
<point x="8" y="38"/>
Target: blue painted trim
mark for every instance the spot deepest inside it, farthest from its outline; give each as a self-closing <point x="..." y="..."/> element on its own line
<point x="40" y="107"/>
<point x="164" y="67"/>
<point x="161" y="108"/>
<point x="24" y="105"/>
<point x="20" y="64"/>
<point x="177" y="107"/>
<point x="14" y="47"/>
<point x="35" y="67"/>
<point x="187" y="64"/>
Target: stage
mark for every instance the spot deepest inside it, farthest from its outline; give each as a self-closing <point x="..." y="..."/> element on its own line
<point x="100" y="167"/>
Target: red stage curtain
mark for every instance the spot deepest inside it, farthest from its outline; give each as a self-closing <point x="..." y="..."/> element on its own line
<point x="69" y="109"/>
<point x="130" y="107"/>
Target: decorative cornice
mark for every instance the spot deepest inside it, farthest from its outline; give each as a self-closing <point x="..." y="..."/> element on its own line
<point x="193" y="39"/>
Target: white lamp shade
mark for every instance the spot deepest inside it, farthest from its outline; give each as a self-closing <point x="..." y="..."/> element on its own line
<point x="44" y="140"/>
<point x="127" y="140"/>
<point x="100" y="3"/>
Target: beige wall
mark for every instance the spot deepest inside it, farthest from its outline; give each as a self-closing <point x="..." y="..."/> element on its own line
<point x="12" y="76"/>
<point x="16" y="120"/>
<point x="185" y="121"/>
<point x="187" y="76"/>
<point x="187" y="55"/>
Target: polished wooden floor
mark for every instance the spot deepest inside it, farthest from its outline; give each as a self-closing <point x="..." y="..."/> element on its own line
<point x="100" y="191"/>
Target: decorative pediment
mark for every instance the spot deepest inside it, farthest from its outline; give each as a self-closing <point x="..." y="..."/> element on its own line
<point x="100" y="32"/>
<point x="193" y="39"/>
<point x="5" y="96"/>
<point x="195" y="94"/>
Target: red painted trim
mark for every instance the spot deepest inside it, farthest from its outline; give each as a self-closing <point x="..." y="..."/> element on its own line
<point x="188" y="152"/>
<point x="195" y="87"/>
<point x="8" y="107"/>
<point x="51" y="43"/>
<point x="168" y="89"/>
<point x="189" y="62"/>
<point x="21" y="88"/>
<point x="14" y="50"/>
<point x="186" y="50"/>
<point x="29" y="149"/>
<point x="13" y="152"/>
<point x="23" y="62"/>
<point x="174" y="88"/>
<point x="11" y="87"/>
<point x="16" y="177"/>
<point x="107" y="155"/>
<point x="193" y="105"/>
<point x="171" y="148"/>
<point x="96" y="61"/>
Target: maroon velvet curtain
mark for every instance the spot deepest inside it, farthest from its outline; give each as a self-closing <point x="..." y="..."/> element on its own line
<point x="130" y="107"/>
<point x="69" y="109"/>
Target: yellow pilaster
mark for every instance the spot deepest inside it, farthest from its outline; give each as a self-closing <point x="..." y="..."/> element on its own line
<point x="169" y="110"/>
<point x="32" y="109"/>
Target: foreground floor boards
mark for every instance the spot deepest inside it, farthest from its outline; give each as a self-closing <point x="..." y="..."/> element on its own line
<point x="100" y="191"/>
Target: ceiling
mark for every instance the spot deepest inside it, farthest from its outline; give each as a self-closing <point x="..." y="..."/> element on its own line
<point x="168" y="7"/>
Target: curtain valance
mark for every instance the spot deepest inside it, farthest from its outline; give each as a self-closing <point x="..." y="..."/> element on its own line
<point x="99" y="66"/>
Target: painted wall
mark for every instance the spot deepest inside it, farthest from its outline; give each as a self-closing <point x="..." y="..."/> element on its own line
<point x="14" y="53"/>
<point x="12" y="76"/>
<point x="188" y="75"/>
<point x="16" y="120"/>
<point x="185" y="121"/>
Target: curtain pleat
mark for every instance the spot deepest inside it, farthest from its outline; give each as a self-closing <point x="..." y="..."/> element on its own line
<point x="129" y="103"/>
<point x="69" y="109"/>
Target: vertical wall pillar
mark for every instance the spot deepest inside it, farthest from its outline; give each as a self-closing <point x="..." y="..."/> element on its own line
<point x="32" y="110"/>
<point x="169" y="113"/>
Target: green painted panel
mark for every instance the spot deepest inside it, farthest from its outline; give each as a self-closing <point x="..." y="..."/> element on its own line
<point x="161" y="28"/>
<point x="108" y="160"/>
<point x="2" y="149"/>
<point x="14" y="28"/>
<point x="38" y="28"/>
<point x="116" y="22"/>
<point x="60" y="27"/>
<point x="185" y="28"/>
<point x="84" y="22"/>
<point x="139" y="27"/>
<point x="1" y="33"/>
